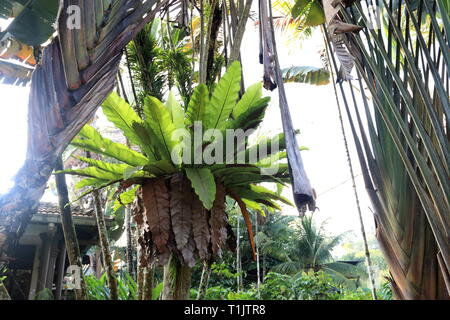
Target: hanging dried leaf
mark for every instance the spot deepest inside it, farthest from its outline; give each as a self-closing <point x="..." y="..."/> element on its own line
<point x="338" y="30"/>
<point x="156" y="203"/>
<point x="138" y="208"/>
<point x="267" y="53"/>
<point x="180" y="209"/>
<point x="145" y="249"/>
<point x="218" y="221"/>
<point x="188" y="252"/>
<point x="200" y="228"/>
<point x="163" y="258"/>
<point x="345" y="58"/>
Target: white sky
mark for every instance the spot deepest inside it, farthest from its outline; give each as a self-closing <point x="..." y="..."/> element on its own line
<point x="314" y="112"/>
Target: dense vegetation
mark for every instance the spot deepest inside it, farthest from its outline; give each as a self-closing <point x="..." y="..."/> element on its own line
<point x="164" y="70"/>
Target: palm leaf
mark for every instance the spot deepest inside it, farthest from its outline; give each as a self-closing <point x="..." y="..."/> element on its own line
<point x="404" y="149"/>
<point x="309" y="10"/>
<point x="309" y="75"/>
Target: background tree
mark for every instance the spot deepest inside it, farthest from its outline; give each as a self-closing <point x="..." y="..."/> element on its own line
<point x="311" y="249"/>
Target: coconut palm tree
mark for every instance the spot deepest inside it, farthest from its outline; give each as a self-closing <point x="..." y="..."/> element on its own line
<point x="400" y="124"/>
<point x="311" y="249"/>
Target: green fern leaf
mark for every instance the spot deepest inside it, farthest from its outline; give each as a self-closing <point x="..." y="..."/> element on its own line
<point x="224" y="97"/>
<point x="251" y="117"/>
<point x="160" y="122"/>
<point x="88" y="182"/>
<point x="93" y="141"/>
<point x="119" y="112"/>
<point x="197" y="105"/>
<point x="175" y="110"/>
<point x="251" y="95"/>
<point x="202" y="181"/>
<point x="93" y="172"/>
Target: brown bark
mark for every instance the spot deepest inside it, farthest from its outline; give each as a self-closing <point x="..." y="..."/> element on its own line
<point x="147" y="291"/>
<point x="177" y="280"/>
<point x="104" y="243"/>
<point x="76" y="74"/>
<point x="130" y="261"/>
<point x="211" y="49"/>
<point x="70" y="236"/>
<point x="140" y="282"/>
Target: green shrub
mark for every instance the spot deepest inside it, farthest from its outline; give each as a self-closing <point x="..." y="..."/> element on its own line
<point x="277" y="286"/>
<point x="315" y="286"/>
<point x="97" y="289"/>
<point x="358" y="294"/>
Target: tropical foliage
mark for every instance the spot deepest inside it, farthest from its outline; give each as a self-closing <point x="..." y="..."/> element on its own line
<point x="402" y="60"/>
<point x="177" y="185"/>
<point x="311" y="249"/>
<point x="170" y="218"/>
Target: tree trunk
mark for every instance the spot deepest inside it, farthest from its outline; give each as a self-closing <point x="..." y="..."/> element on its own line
<point x="107" y="260"/>
<point x="238" y="254"/>
<point x="206" y="272"/>
<point x="258" y="267"/>
<point x="140" y="282"/>
<point x="68" y="227"/>
<point x="177" y="280"/>
<point x="66" y="90"/>
<point x="130" y="261"/>
<point x="147" y="291"/>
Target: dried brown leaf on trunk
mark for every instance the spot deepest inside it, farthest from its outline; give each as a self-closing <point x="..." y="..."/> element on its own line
<point x="146" y="247"/>
<point x="188" y="252"/>
<point x="266" y="49"/>
<point x="218" y="221"/>
<point x="138" y="208"/>
<point x="181" y="209"/>
<point x="157" y="204"/>
<point x="200" y="228"/>
<point x="338" y="30"/>
<point x="342" y="27"/>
